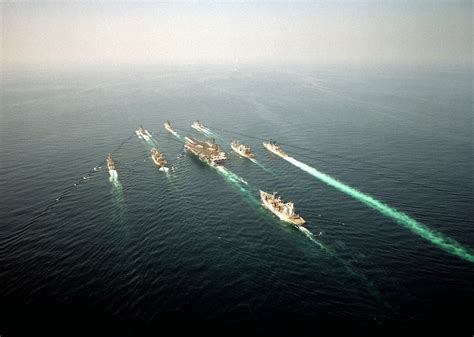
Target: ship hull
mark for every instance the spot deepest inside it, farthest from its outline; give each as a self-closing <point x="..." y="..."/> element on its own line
<point x="203" y="158"/>
<point x="248" y="156"/>
<point x="169" y="128"/>
<point x="269" y="148"/>
<point x="143" y="135"/>
<point x="197" y="148"/>
<point x="111" y="166"/>
<point x="162" y="167"/>
<point x="295" y="221"/>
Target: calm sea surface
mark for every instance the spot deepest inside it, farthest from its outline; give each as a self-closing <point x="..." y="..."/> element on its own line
<point x="195" y="246"/>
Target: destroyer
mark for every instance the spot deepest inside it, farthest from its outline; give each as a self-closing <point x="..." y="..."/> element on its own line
<point x="111" y="166"/>
<point x="159" y="159"/>
<point x="208" y="152"/>
<point x="241" y="149"/>
<point x="285" y="211"/>
<point x="142" y="133"/>
<point x="197" y="125"/>
<point x="276" y="149"/>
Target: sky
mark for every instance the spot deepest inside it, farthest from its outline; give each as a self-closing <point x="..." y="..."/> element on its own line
<point x="74" y="33"/>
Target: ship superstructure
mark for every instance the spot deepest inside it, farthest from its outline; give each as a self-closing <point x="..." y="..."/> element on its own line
<point x="241" y="149"/>
<point x="208" y="152"/>
<point x="168" y="127"/>
<point x="285" y="211"/>
<point x="143" y="133"/>
<point x="275" y="148"/>
<point x="111" y="166"/>
<point x="158" y="159"/>
<point x="197" y="125"/>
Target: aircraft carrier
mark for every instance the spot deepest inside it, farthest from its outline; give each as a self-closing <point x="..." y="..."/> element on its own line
<point x="208" y="152"/>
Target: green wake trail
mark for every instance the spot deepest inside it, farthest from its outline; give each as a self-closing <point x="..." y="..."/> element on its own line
<point x="242" y="186"/>
<point x="212" y="134"/>
<point x="244" y="189"/>
<point x="118" y="199"/>
<point x="153" y="143"/>
<point x="174" y="133"/>
<point x="256" y="162"/>
<point x="445" y="243"/>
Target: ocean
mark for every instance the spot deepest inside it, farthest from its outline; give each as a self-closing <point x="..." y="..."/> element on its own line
<point x="381" y="168"/>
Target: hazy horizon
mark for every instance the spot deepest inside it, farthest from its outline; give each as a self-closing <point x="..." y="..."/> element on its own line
<point x="80" y="34"/>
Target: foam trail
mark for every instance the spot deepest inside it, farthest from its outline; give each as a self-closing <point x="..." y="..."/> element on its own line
<point x="117" y="193"/>
<point x="148" y="138"/>
<point x="214" y="135"/>
<point x="438" y="239"/>
<point x="151" y="141"/>
<point x="205" y="133"/>
<point x="16" y="235"/>
<point x="236" y="181"/>
<point x="373" y="291"/>
<point x="261" y="166"/>
<point x="146" y="142"/>
<point x="231" y="175"/>
<point x="201" y="132"/>
<point x="174" y="133"/>
<point x="209" y="134"/>
<point x="117" y="186"/>
<point x="113" y="176"/>
<point x="311" y="237"/>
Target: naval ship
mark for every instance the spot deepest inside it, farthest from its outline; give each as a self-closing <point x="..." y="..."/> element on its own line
<point x="169" y="127"/>
<point x="197" y="125"/>
<point x="208" y="152"/>
<point x="111" y="166"/>
<point x="285" y="211"/>
<point x="276" y="149"/>
<point x="241" y="149"/>
<point x="142" y="133"/>
<point x="159" y="159"/>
